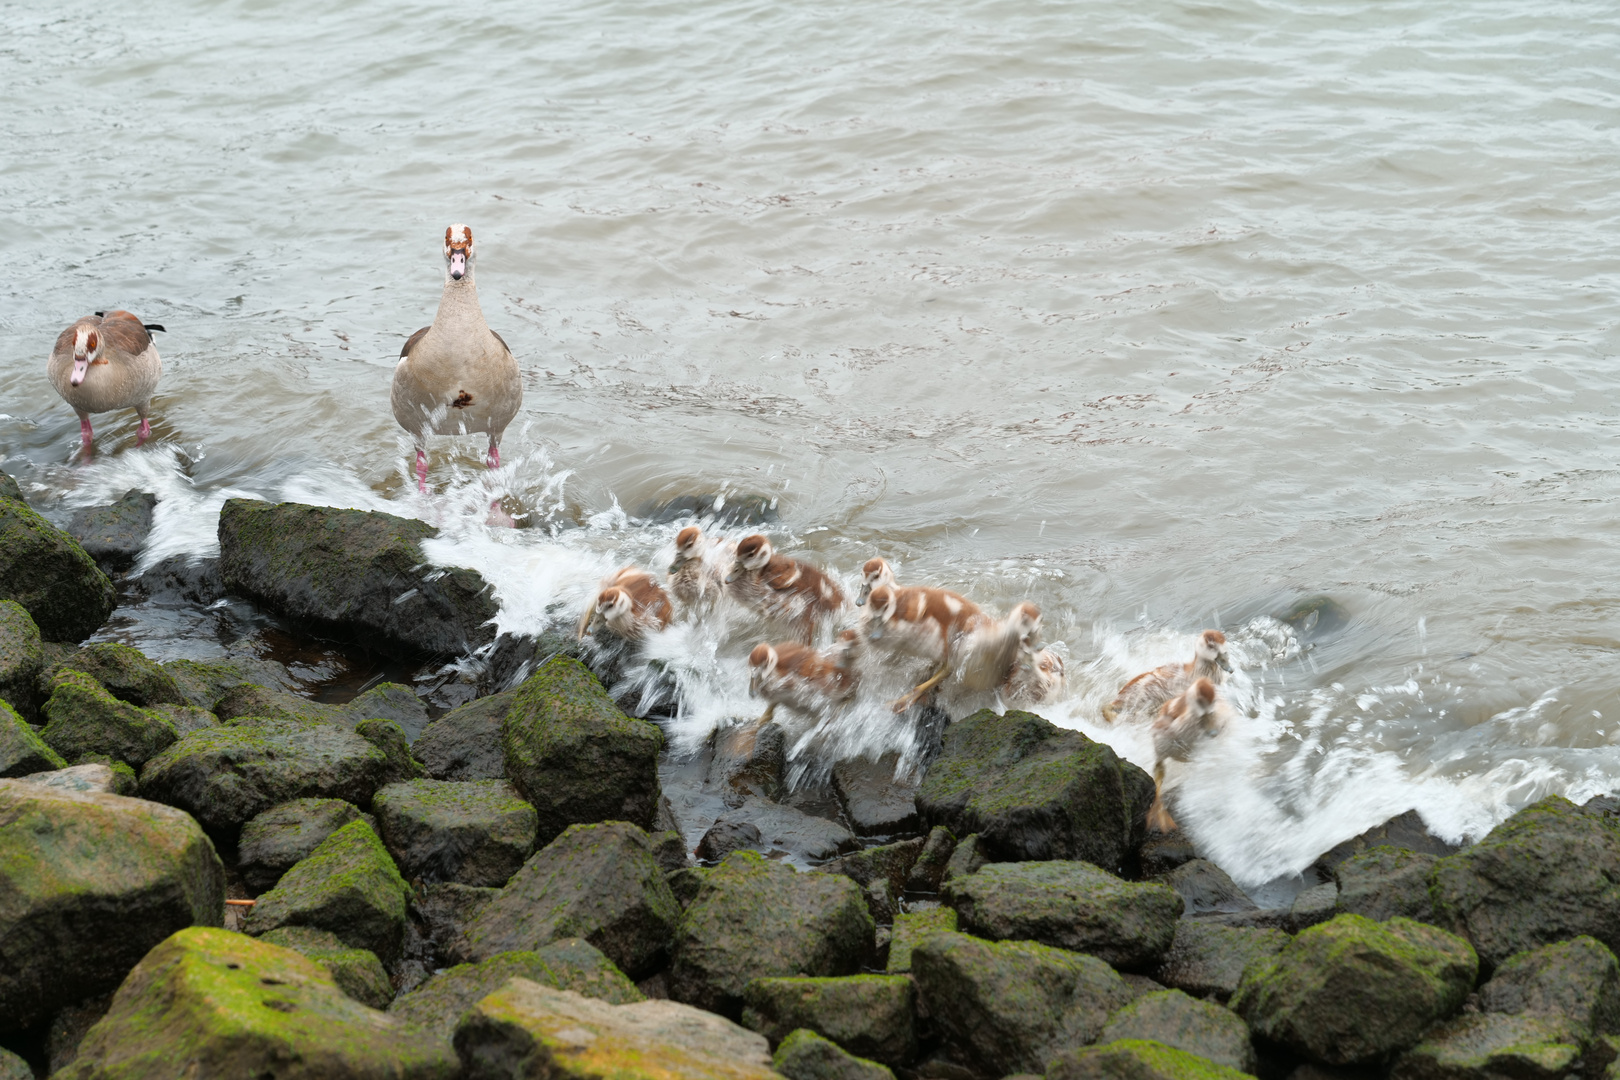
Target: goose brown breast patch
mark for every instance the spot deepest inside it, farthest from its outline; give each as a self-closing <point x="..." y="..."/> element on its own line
<point x="463" y="400"/>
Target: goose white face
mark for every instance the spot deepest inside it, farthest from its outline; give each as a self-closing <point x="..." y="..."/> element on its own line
<point x="458" y="251"/>
<point x="753" y="553"/>
<point x="876" y="572"/>
<point x="86" y="351"/>
<point x="1212" y="649"/>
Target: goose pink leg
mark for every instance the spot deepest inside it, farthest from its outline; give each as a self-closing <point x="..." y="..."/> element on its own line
<point x="143" y="432"/>
<point x="421" y="471"/>
<point x="493" y="460"/>
<point x="86" y="436"/>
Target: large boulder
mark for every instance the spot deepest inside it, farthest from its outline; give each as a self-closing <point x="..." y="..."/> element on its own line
<point x="390" y="738"/>
<point x="391" y="701"/>
<point x="1008" y="1007"/>
<point x="875" y="802"/>
<point x="753" y="918"/>
<point x="890" y="863"/>
<point x="252" y="700"/>
<point x="1491" y="1046"/>
<point x="203" y="683"/>
<point x="275" y="841"/>
<point x="362" y="573"/>
<point x="597" y="882"/>
<point x="872" y="1016"/>
<point x="477" y="832"/>
<point x="1069" y="905"/>
<point x="348" y="886"/>
<point x="22" y="751"/>
<point x="208" y="1002"/>
<point x="48" y="573"/>
<point x="1174" y="1019"/>
<point x="83" y="719"/>
<point x="1386" y="881"/>
<point x="1034" y="791"/>
<point x="88" y="883"/>
<point x="114" y="535"/>
<point x="1548" y="873"/>
<point x="22" y="657"/>
<point x="357" y="972"/>
<point x="575" y="756"/>
<point x="763" y="825"/>
<point x="91" y="776"/>
<point x="1140" y="1059"/>
<point x="527" y="1030"/>
<point x="1575" y="984"/>
<point x="465" y="743"/>
<point x="804" y="1055"/>
<point x="444" y="910"/>
<point x="125" y="672"/>
<point x="225" y="775"/>
<point x="1207" y="959"/>
<point x="1351" y="991"/>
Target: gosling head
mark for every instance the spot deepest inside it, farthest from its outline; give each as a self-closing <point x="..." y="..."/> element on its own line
<point x="87" y="346"/>
<point x="1026" y="622"/>
<point x="1212" y="649"/>
<point x="753" y="553"/>
<point x="613" y="603"/>
<point x="882" y="600"/>
<point x="761" y="662"/>
<point x="458" y="252"/>
<point x="876" y="572"/>
<point x="686" y="546"/>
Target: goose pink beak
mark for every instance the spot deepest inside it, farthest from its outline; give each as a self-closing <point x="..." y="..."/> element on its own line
<point x="458" y="265"/>
<point x="81" y="368"/>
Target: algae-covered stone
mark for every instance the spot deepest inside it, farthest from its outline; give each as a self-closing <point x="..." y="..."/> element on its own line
<point x="887" y="862"/>
<point x="186" y="718"/>
<point x="122" y="781"/>
<point x="569" y="964"/>
<point x="357" y="972"/>
<point x="1034" y="791"/>
<point x="203" y="683"/>
<point x="223" y="776"/>
<point x="966" y="858"/>
<point x="805" y="1055"/>
<point x="465" y="743"/>
<point x="13" y="1067"/>
<point x="1174" y="1019"/>
<point x="444" y="909"/>
<point x="349" y="886"/>
<point x="82" y="718"/>
<point x="273" y="842"/>
<point x="1007" y="1007"/>
<point x="114" y="535"/>
<point x="389" y="737"/>
<point x="1351" y="991"/>
<point x="754" y="918"/>
<point x="208" y="1002"/>
<point x="1207" y="959"/>
<point x="526" y="1030"/>
<point x="597" y="882"/>
<point x="575" y="756"/>
<point x="871" y="1016"/>
<point x="476" y="832"/>
<point x="1386" y="881"/>
<point x="1491" y="1046"/>
<point x="1548" y="873"/>
<point x="686" y="882"/>
<point x="1575" y="983"/>
<point x="22" y="751"/>
<point x="1070" y="905"/>
<point x="360" y="572"/>
<point x="929" y="869"/>
<point x="48" y="573"/>
<point x="1136" y="1059"/>
<point x="21" y="658"/>
<point x="252" y="700"/>
<point x="94" y="776"/>
<point x="391" y="701"/>
<point x="912" y="927"/>
<point x="126" y="673"/>
<point x="88" y="883"/>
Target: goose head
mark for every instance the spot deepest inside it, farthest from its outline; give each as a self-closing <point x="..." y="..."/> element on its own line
<point x="753" y="554"/>
<point x="1212" y="649"/>
<point x="458" y="252"/>
<point x="87" y="346"/>
<point x="686" y="547"/>
<point x="876" y="572"/>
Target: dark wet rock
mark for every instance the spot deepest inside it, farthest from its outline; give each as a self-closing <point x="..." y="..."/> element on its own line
<point x="888" y="863"/>
<point x="48" y="573"/>
<point x="233" y="1006"/>
<point x="1315" y="905"/>
<point x="22" y="658"/>
<point x="82" y="718"/>
<point x="362" y="573"/>
<point x="183" y="578"/>
<point x="387" y="736"/>
<point x="186" y="718"/>
<point x="747" y="759"/>
<point x="88" y="883"/>
<point x="114" y="535"/>
<point x="203" y="684"/>
<point x="391" y="701"/>
<point x="722" y="511"/>
<point x="753" y="918"/>
<point x="1548" y="873"/>
<point x="444" y="910"/>
<point x="569" y="964"/>
<point x="1008" y="1007"/>
<point x="685" y="883"/>
<point x="90" y="777"/>
<point x="275" y="841"/>
<point x="1174" y="1019"/>
<point x="1207" y="960"/>
<point x="465" y="743"/>
<point x="1386" y="881"/>
<point x="125" y="672"/>
<point x="579" y="1038"/>
<point x="881" y="901"/>
<point x="873" y="801"/>
<point x="597" y="882"/>
<point x="477" y="832"/>
<point x="1068" y="905"/>
<point x="911" y="928"/>
<point x="929" y="869"/>
<point x="1405" y="831"/>
<point x="724" y="837"/>
<point x="9" y="488"/>
<point x="357" y="972"/>
<point x="1034" y="791"/>
<point x="1205" y="887"/>
<point x="347" y="885"/>
<point x="68" y="1029"/>
<point x="1351" y="991"/>
<point x="869" y="1015"/>
<point x="966" y="858"/>
<point x="1490" y="1046"/>
<point x="1573" y="983"/>
<point x="22" y="751"/>
<point x="670" y="850"/>
<point x="1136" y="1059"/>
<point x="805" y="1055"/>
<point x="786" y="828"/>
<point x="225" y="775"/>
<point x="575" y="756"/>
<point x="251" y="700"/>
<point x="1163" y="852"/>
<point x="514" y="657"/>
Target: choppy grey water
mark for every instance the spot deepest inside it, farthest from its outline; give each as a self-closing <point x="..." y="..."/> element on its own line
<point x="1163" y="315"/>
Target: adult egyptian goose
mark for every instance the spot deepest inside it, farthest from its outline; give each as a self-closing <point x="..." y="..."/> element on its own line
<point x="456" y="376"/>
<point x="103" y="362"/>
<point x="782" y="588"/>
<point x="1142" y="696"/>
<point x="1181" y="723"/>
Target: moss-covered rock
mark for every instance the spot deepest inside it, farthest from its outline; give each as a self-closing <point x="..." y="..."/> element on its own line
<point x="92" y="777"/>
<point x="186" y="718"/>
<point x="82" y="718"/>
<point x="1174" y="1019"/>
<point x="347" y="885"/>
<point x="1548" y="873"/>
<point x="389" y="737"/>
<point x="225" y="775"/>
<point x="88" y="883"/>
<point x="252" y="700"/>
<point x="358" y="572"/>
<point x="203" y="683"/>
<point x="1136" y="1059"/>
<point x="393" y="702"/>
<point x="929" y="869"/>
<point x="912" y="927"/>
<point x="966" y="858"/>
<point x="22" y="751"/>
<point x="1034" y="791"/>
<point x="1351" y="991"/>
<point x="21" y="659"/>
<point x="48" y="573"/>
<point x="568" y="1036"/>
<point x="569" y="964"/>
<point x="273" y="842"/>
<point x="1573" y="983"/>
<point x="1489" y="1046"/>
<point x="575" y="756"/>
<point x="1007" y="1007"/>
<point x="212" y="1003"/>
<point x="357" y="972"/>
<point x="872" y="1016"/>
<point x="126" y="673"/>
<point x="444" y="910"/>
<point x="123" y="780"/>
<point x="477" y="832"/>
<point x="1386" y="881"/>
<point x="1207" y="959"/>
<point x="597" y="882"/>
<point x="465" y="743"/>
<point x="13" y="1067"/>
<point x="1070" y="905"/>
<point x="805" y="1055"/>
<point x="883" y="862"/>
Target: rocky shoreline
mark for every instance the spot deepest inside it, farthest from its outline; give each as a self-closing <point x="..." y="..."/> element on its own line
<point x="205" y="872"/>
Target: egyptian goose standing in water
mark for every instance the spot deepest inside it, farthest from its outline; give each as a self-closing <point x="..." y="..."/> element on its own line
<point x="1181" y="722"/>
<point x="801" y="678"/>
<point x="630" y="604"/>
<point x="1142" y="696"/>
<point x="782" y="588"/>
<point x="694" y="579"/>
<point x="456" y="376"/>
<point x="103" y="362"/>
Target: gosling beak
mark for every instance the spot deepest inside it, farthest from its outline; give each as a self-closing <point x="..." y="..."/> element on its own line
<point x="860" y="601"/>
<point x="674" y="566"/>
<point x="735" y="571"/>
<point x="875" y="632"/>
<point x="1226" y="665"/>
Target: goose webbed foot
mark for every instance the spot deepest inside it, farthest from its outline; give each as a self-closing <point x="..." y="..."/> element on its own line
<point x="421" y="470"/>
